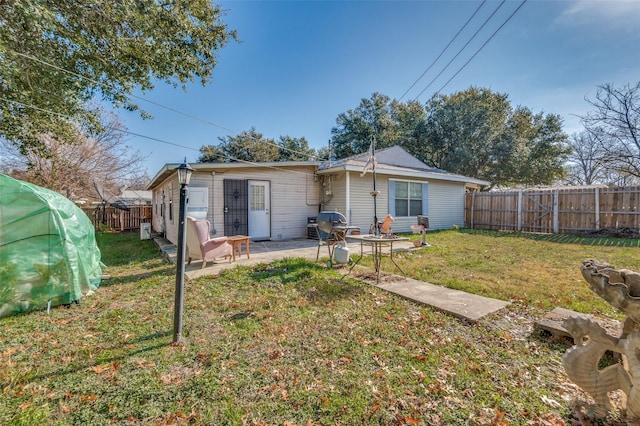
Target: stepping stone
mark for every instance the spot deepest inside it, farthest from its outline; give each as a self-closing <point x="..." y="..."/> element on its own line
<point x="460" y="304"/>
<point x="552" y="322"/>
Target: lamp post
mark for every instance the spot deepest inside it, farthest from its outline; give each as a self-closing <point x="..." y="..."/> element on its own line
<point x="184" y="175"/>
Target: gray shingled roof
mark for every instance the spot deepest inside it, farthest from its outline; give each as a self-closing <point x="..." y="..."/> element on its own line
<point x="392" y="156"/>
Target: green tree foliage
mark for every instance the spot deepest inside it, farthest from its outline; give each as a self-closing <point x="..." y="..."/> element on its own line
<point x="465" y="132"/>
<point x="355" y="128"/>
<point x="295" y="149"/>
<point x="211" y="154"/>
<point x="58" y="54"/>
<point x="252" y="146"/>
<point x="249" y="146"/>
<point x="410" y="119"/>
<point x="475" y="132"/>
<point x="541" y="149"/>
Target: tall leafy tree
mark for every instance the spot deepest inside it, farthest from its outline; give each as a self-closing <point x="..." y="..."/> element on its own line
<point x="250" y="146"/>
<point x="58" y="54"/>
<point x="295" y="149"/>
<point x="541" y="150"/>
<point x="477" y="133"/>
<point x="354" y="129"/>
<point x="409" y="121"/>
<point x="212" y="154"/>
<point x="466" y="130"/>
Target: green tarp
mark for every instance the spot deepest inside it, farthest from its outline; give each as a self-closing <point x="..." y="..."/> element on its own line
<point x="48" y="250"/>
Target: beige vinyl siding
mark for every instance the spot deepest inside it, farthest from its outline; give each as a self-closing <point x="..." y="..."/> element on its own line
<point x="446" y="204"/>
<point x="362" y="201"/>
<point x="295" y="196"/>
<point x="338" y="201"/>
<point x="168" y="223"/>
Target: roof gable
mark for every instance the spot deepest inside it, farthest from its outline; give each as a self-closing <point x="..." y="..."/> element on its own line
<point x="395" y="160"/>
<point x="394" y="156"/>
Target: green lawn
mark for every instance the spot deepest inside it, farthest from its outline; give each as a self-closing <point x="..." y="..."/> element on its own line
<point x="538" y="270"/>
<point x="289" y="343"/>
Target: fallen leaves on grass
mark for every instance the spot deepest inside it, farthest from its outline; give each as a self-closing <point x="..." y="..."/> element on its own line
<point x="179" y="374"/>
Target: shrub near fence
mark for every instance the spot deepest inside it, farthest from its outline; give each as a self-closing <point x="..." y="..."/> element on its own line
<point x="113" y="219"/>
<point x="555" y="210"/>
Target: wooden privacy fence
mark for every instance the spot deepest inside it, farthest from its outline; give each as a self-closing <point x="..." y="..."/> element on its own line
<point x="113" y="219"/>
<point x="555" y="210"/>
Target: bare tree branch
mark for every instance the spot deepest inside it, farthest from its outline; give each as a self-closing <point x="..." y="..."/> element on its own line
<point x="71" y="169"/>
<point x="615" y="123"/>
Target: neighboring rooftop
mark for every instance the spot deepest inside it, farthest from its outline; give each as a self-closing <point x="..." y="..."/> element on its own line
<point x="134" y="196"/>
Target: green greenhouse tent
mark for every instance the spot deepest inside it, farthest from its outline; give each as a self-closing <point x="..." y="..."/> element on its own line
<point x="48" y="250"/>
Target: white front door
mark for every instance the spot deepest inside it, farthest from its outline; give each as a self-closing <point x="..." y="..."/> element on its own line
<point x="259" y="210"/>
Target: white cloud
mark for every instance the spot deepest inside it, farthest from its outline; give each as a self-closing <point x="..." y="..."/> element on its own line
<point x="618" y="15"/>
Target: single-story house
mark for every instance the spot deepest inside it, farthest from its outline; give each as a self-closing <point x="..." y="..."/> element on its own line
<point x="135" y="197"/>
<point x="277" y="200"/>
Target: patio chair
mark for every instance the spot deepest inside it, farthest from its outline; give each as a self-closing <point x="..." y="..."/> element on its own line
<point x="200" y="246"/>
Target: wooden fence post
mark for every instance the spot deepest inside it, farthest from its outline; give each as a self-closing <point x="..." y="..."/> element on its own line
<point x="519" y="210"/>
<point x="473" y="205"/>
<point x="597" y="208"/>
<point x="556" y="224"/>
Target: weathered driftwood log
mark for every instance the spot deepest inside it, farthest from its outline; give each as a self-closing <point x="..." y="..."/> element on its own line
<point x="620" y="288"/>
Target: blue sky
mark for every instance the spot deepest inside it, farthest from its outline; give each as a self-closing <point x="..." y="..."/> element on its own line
<point x="301" y="63"/>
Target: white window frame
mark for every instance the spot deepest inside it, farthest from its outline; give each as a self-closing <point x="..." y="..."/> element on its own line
<point x="423" y="197"/>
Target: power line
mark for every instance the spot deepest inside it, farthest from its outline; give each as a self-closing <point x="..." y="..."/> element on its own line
<point x="461" y="49"/>
<point x="221" y="155"/>
<point x="443" y="50"/>
<point x="485" y="43"/>
<point x="193" y="117"/>
<point x="154" y="138"/>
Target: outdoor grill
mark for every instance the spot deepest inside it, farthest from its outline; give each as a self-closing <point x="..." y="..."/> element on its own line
<point x="331" y="228"/>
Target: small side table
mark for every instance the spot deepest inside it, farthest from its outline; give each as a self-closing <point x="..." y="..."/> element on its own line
<point x="236" y="243"/>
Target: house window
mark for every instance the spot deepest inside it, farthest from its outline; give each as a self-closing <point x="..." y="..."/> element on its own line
<point x="171" y="202"/>
<point x="407" y="199"/>
<point x="257" y="198"/>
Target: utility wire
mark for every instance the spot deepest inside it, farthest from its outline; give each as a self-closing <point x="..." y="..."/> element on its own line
<point x="154" y="138"/>
<point x="443" y="50"/>
<point x="481" y="47"/>
<point x="193" y="117"/>
<point x="461" y="49"/>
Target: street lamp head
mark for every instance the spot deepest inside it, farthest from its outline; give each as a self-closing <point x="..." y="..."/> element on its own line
<point x="184" y="173"/>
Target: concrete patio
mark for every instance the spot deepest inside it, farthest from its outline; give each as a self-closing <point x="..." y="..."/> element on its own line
<point x="460" y="304"/>
<point x="262" y="252"/>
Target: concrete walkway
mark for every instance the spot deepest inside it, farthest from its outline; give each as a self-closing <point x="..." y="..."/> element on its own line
<point x="467" y="306"/>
